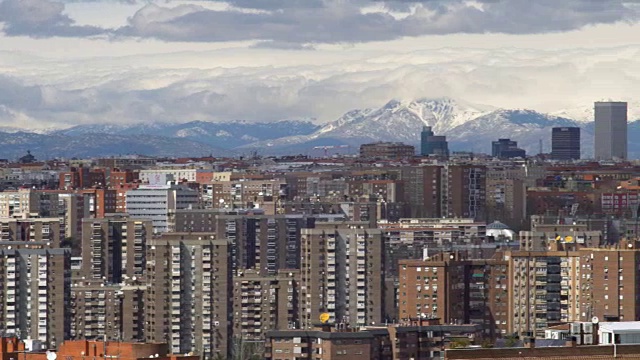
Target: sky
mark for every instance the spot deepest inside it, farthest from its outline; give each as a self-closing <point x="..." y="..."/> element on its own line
<point x="72" y="62"/>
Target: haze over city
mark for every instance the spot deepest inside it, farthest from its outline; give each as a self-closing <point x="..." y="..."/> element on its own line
<point x="64" y="63"/>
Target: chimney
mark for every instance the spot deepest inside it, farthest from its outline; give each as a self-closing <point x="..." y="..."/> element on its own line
<point x="571" y="342"/>
<point x="529" y="343"/>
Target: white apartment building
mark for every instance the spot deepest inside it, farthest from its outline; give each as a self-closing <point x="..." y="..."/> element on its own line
<point x="152" y="176"/>
<point x="155" y="202"/>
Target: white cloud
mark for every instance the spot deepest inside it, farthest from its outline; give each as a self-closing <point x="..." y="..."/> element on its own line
<point x="110" y="91"/>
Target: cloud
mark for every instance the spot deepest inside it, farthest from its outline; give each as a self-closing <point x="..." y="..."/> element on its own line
<point x="40" y="18"/>
<point x="345" y="21"/>
<point x="114" y="92"/>
<point x="277" y="22"/>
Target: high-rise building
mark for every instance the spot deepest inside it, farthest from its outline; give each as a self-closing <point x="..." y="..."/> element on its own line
<point x="610" y="130"/>
<point x="112" y="312"/>
<point x="263" y="303"/>
<point x="506" y="149"/>
<point x="35" y="292"/>
<point x="27" y="232"/>
<point x="611" y="283"/>
<point x="263" y="243"/>
<point x="463" y="191"/>
<point x="72" y="209"/>
<point x="455" y="289"/>
<point x="156" y="201"/>
<point x="28" y="201"/>
<point x="113" y="248"/>
<point x="342" y="274"/>
<point x="545" y="289"/>
<point x="189" y="303"/>
<point x="430" y="144"/>
<point x="565" y="143"/>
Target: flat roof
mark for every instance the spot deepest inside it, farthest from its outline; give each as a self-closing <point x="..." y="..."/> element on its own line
<point x="621" y="327"/>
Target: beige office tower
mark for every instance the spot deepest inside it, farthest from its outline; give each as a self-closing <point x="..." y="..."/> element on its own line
<point x="342" y="274"/>
<point x="31" y="232"/>
<point x="113" y="248"/>
<point x="189" y="299"/>
<point x="34" y="293"/>
<point x="114" y="312"/>
<point x="263" y="303"/>
<point x="610" y="130"/>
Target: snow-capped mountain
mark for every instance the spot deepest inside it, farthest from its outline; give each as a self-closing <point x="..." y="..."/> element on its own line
<point x="226" y="135"/>
<point x="527" y="127"/>
<point x="467" y="126"/>
<point x="395" y="121"/>
<point x="585" y="113"/>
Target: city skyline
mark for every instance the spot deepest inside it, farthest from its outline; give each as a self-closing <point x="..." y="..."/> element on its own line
<point x="77" y="62"/>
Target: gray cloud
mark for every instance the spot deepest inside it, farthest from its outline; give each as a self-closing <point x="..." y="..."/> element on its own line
<point x="40" y="18"/>
<point x="333" y="21"/>
<point x="277" y="22"/>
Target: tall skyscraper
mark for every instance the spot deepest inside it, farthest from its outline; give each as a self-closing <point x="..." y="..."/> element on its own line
<point x="611" y="130"/>
<point x="565" y="143"/>
<point x="430" y="144"/>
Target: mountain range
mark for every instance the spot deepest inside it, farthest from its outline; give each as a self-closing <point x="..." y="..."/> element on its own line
<point x="468" y="127"/>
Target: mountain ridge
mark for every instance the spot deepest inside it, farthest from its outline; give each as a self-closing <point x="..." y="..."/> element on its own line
<point x="467" y="126"/>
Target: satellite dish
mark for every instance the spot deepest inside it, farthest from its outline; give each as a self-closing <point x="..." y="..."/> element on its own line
<point x="51" y="355"/>
<point x="595" y="320"/>
<point x="324" y="317"/>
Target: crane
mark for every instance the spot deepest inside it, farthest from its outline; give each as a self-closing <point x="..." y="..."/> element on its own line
<point x="326" y="148"/>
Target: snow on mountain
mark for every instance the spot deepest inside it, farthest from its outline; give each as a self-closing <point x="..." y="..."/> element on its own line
<point x="395" y="121"/>
<point x="585" y="113"/>
<point x="527" y="127"/>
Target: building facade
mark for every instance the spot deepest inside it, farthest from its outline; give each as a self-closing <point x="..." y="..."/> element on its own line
<point x="610" y="130"/>
<point x="565" y="143"/>
<point x="188" y="302"/>
<point x="342" y="272"/>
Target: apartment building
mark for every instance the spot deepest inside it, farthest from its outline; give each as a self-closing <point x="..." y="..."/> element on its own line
<point x="387" y="150"/>
<point x="31" y="232"/>
<point x="188" y="302"/>
<point x="155" y="202"/>
<point x="28" y="201"/>
<point x="422" y="190"/>
<point x="544" y="288"/>
<point x="463" y="191"/>
<point x="101" y="201"/>
<point x="418" y="339"/>
<point x="247" y="193"/>
<point x="35" y="289"/>
<point x="100" y="311"/>
<point x="458" y="290"/>
<point x="262" y="242"/>
<point x="506" y="194"/>
<point x="113" y="248"/>
<point x="72" y="208"/>
<point x="263" y="303"/>
<point x="610" y="282"/>
<point x="575" y="233"/>
<point x="342" y="272"/>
